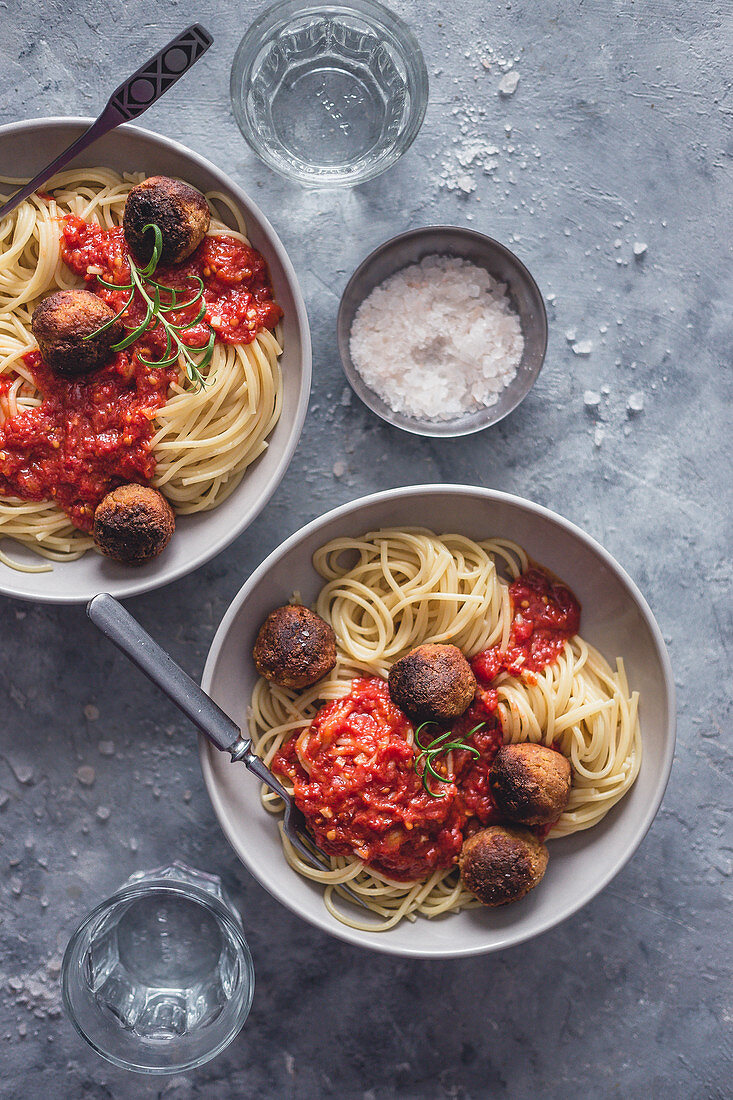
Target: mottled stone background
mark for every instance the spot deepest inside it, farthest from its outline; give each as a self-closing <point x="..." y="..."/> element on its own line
<point x="620" y="131"/>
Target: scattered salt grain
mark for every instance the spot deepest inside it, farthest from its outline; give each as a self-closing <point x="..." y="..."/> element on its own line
<point x="639" y="248"/>
<point x="508" y="83"/>
<point x="463" y="182"/>
<point x="571" y="335"/>
<point x="38" y="991"/>
<point x="635" y="403"/>
<point x="16" y="886"/>
<point x="339" y="468"/>
<point x="103" y="813"/>
<point x="22" y="772"/>
<point x="591" y="399"/>
<point x="431" y="347"/>
<point x="86" y="775"/>
<point x="106" y="748"/>
<point x="585" y="347"/>
<point x="478" y="151"/>
<point x="598" y="436"/>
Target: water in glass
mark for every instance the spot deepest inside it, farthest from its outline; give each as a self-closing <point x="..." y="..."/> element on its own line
<point x="328" y="96"/>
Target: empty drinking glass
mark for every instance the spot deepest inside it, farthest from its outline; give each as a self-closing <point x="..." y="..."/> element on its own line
<point x="159" y="978"/>
<point x="329" y="93"/>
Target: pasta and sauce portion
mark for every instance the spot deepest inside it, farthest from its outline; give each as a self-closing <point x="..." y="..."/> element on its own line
<point x="139" y="375"/>
<point x="438" y="716"/>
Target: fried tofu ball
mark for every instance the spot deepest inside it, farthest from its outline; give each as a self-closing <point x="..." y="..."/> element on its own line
<point x="500" y="865"/>
<point x="294" y="647"/>
<point x="432" y="683"/>
<point x="61" y="324"/>
<point x="179" y="210"/>
<point x="133" y="524"/>
<point x="530" y="783"/>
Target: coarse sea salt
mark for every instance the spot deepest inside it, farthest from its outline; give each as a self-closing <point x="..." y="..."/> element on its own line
<point x="437" y="339"/>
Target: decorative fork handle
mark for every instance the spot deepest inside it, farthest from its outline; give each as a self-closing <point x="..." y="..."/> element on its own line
<point x="134" y="95"/>
<point x="117" y="624"/>
<point x="128" y="635"/>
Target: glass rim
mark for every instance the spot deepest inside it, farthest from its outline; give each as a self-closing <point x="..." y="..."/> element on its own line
<point x="130" y="892"/>
<point x="279" y="14"/>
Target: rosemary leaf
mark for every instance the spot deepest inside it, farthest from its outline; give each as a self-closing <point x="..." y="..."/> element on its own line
<point x="439" y="746"/>
<point x="195" y="359"/>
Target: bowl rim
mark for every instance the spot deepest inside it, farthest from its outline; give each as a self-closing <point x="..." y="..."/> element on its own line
<point x="460" y="426"/>
<point x="133" y="587"/>
<point x="206" y="753"/>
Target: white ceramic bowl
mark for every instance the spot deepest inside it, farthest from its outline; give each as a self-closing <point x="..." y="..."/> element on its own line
<point x="24" y="147"/>
<point x="616" y="619"/>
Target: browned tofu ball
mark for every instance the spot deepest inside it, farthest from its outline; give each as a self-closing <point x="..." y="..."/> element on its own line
<point x="133" y="524"/>
<point x="294" y="647"/>
<point x="432" y="683"/>
<point x="180" y="211"/>
<point x="61" y="324"/>
<point x="500" y="865"/>
<point x="530" y="783"/>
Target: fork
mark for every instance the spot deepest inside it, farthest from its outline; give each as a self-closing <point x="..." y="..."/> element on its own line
<point x="145" y="87"/>
<point x="129" y="636"/>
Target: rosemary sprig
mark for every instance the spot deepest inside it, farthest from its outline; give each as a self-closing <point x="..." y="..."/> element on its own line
<point x="157" y="310"/>
<point x="439" y="745"/>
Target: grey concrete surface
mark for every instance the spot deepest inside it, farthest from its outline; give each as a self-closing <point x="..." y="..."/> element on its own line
<point x="620" y="133"/>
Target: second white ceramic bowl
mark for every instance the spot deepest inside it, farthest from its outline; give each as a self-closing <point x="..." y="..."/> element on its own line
<point x="616" y="619"/>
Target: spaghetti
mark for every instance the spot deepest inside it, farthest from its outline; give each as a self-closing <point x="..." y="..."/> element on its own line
<point x="202" y="440"/>
<point x="391" y="590"/>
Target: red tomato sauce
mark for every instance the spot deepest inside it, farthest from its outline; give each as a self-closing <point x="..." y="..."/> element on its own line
<point x="237" y="288"/>
<point x="355" y="780"/>
<point x="93" y="433"/>
<point x="353" y="768"/>
<point x="545" y="615"/>
<point x="86" y="437"/>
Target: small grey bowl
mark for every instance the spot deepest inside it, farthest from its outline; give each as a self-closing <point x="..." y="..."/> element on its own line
<point x="524" y="294"/>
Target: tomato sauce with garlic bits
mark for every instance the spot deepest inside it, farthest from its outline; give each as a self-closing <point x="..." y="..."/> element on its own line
<point x="87" y="435"/>
<point x="93" y="433"/>
<point x="545" y="615"/>
<point x="354" y="775"/>
<point x="237" y="288"/>
<point x="354" y="768"/>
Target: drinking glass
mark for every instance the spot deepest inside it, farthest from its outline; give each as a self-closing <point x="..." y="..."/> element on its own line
<point x="158" y="978"/>
<point x="329" y="93"/>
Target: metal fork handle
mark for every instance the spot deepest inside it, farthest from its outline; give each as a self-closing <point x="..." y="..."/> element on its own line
<point x="117" y="624"/>
<point x="128" y="635"/>
<point x="128" y="101"/>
